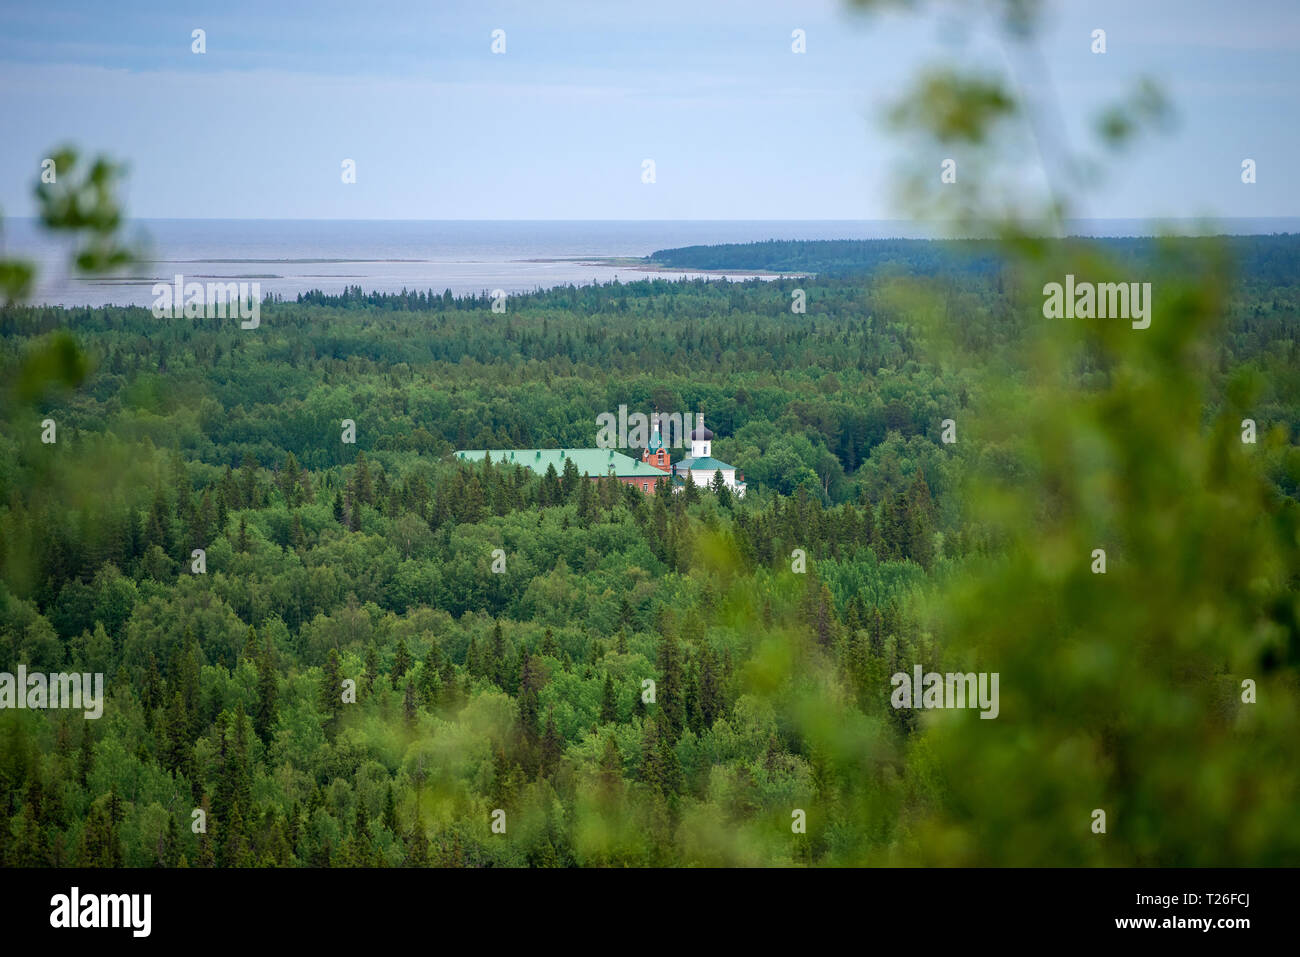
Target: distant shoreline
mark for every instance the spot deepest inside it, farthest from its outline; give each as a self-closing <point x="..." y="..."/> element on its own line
<point x="645" y="265"/>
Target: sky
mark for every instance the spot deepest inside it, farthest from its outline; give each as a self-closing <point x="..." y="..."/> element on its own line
<point x="558" y="126"/>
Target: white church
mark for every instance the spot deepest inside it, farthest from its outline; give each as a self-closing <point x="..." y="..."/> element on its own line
<point x="701" y="466"/>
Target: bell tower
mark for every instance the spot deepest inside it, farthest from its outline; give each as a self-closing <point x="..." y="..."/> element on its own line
<point x="701" y="439"/>
<point x="654" y="453"/>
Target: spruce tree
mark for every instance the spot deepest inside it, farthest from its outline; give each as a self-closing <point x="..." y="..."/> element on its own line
<point x="429" y="675"/>
<point x="671" y="689"/>
<point x="608" y="701"/>
<point x="691" y="493"/>
<point x="570" y="479"/>
<point x="651" y="770"/>
<point x="529" y="685"/>
<point x="85" y="755"/>
<point x="169" y="844"/>
<point x="500" y="664"/>
<point x="151" y="695"/>
<point x="372" y="666"/>
<point x="417" y="845"/>
<point x="363" y="491"/>
<point x="611" y="767"/>
<point x="267" y="690"/>
<point x="401" y="662"/>
<point x="586" y="503"/>
<point x="552" y="746"/>
<point x="708" y="689"/>
<point x="331" y="688"/>
<point x="390" y="810"/>
<point x="175" y="744"/>
<point x="550" y="492"/>
<point x="408" y="704"/>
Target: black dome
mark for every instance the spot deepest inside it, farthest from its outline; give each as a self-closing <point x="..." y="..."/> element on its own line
<point x="702" y="434"/>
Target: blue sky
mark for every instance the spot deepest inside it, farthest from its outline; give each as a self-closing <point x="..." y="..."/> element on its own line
<point x="557" y="128"/>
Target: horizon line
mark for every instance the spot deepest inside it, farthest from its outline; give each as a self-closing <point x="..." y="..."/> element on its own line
<point x="919" y="222"/>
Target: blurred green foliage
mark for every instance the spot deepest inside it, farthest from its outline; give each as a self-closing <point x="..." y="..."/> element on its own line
<point x="1124" y="692"/>
<point x="86" y="208"/>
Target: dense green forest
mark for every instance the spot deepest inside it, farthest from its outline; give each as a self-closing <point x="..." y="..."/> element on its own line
<point x="522" y="689"/>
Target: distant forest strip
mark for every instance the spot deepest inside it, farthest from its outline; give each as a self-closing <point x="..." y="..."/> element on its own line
<point x="1271" y="259"/>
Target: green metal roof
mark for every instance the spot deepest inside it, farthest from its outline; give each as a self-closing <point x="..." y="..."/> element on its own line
<point x="703" y="462"/>
<point x="593" y="462"/>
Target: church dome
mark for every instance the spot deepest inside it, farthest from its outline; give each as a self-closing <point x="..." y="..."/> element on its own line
<point x="702" y="433"/>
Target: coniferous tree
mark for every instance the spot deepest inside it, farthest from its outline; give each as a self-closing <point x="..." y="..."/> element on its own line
<point x="363" y="492"/>
<point x="611" y="767"/>
<point x="267" y="690"/>
<point x="390" y="810"/>
<point x="529" y="685"/>
<point x="691" y="491"/>
<point x="920" y="522"/>
<point x="176" y="746"/>
<point x="372" y="666"/>
<point x="570" y="480"/>
<point x="671" y="689"/>
<point x="401" y="662"/>
<point x="331" y="688"/>
<point x="474" y="659"/>
<point x="408" y="704"/>
<point x="608" y="701"/>
<point x="586" y="503"/>
<point x="248" y="482"/>
<point x="85" y="758"/>
<point x="552" y="746"/>
<point x="551" y="492"/>
<point x="651" y="771"/>
<point x="99" y="845"/>
<point x="417" y="845"/>
<point x="722" y="491"/>
<point x="168" y="844"/>
<point x="151" y="695"/>
<point x="227" y="497"/>
<point x="709" y="691"/>
<point x="500" y="664"/>
<point x="430" y="675"/>
<point x="824" y="621"/>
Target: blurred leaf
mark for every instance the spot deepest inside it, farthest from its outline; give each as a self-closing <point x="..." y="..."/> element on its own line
<point x="953" y="107"/>
<point x="57" y="360"/>
<point x="16" y="279"/>
<point x="86" y="206"/>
